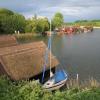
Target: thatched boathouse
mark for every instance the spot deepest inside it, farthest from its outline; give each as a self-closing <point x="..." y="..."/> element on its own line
<point x="7" y="40"/>
<point x="23" y="61"/>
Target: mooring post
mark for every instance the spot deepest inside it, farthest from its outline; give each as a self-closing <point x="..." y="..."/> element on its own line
<point x="77" y="79"/>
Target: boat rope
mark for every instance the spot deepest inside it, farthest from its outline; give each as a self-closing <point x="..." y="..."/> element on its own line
<point x="45" y="60"/>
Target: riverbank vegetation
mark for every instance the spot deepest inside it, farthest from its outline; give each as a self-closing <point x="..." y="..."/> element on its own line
<point x="29" y="37"/>
<point x="32" y="90"/>
<point x="11" y="22"/>
<point x="95" y="23"/>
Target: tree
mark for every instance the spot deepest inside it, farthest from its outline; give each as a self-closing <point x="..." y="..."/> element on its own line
<point x="18" y="22"/>
<point x="37" y="25"/>
<point x="10" y="21"/>
<point x="57" y="20"/>
<point x="43" y="24"/>
<point x="31" y="25"/>
<point x="5" y="12"/>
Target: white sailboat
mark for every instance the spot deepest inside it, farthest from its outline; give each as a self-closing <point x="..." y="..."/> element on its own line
<point x="59" y="78"/>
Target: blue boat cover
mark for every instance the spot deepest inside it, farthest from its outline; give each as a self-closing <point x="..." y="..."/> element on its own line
<point x="60" y="75"/>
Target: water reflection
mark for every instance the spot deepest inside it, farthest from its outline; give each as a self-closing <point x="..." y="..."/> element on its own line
<point x="79" y="53"/>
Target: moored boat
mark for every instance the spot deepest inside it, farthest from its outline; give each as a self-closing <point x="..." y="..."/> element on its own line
<point x="56" y="81"/>
<point x="59" y="78"/>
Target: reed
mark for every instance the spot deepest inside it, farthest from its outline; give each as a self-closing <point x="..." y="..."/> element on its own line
<point x="90" y="83"/>
<point x="72" y="83"/>
<point x="86" y="84"/>
<point x="26" y="36"/>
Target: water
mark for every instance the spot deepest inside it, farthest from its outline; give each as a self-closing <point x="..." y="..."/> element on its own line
<point x="79" y="54"/>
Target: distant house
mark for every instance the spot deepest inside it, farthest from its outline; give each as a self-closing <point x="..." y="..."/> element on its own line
<point x="24" y="61"/>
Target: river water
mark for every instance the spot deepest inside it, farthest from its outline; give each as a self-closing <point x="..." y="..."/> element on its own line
<point x="79" y="54"/>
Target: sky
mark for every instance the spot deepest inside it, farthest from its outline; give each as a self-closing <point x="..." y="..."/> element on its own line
<point x="72" y="10"/>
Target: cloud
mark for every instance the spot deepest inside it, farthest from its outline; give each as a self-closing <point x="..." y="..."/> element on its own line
<point x="71" y="9"/>
<point x="66" y="10"/>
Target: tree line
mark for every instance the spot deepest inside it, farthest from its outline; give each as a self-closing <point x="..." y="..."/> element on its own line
<point x="11" y="22"/>
<point x="85" y="23"/>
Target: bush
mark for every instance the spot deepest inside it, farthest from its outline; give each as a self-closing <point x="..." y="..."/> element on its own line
<point x="32" y="90"/>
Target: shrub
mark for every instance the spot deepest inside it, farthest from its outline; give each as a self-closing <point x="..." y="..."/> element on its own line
<point x="32" y="90"/>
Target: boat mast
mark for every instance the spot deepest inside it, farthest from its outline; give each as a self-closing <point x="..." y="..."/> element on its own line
<point x="51" y="74"/>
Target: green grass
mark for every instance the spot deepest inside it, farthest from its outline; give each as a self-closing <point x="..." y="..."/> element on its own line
<point x="32" y="90"/>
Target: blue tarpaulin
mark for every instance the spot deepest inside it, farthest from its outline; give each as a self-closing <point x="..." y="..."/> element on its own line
<point x="60" y="75"/>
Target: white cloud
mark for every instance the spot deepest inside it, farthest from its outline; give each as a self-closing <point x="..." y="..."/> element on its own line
<point x="73" y="9"/>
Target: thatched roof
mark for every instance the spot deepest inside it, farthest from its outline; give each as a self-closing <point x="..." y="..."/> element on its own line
<point x="23" y="61"/>
<point x="7" y="40"/>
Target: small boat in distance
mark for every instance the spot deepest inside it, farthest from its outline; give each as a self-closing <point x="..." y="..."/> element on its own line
<point x="59" y="78"/>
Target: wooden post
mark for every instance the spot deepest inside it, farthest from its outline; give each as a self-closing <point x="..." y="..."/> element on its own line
<point x="77" y="80"/>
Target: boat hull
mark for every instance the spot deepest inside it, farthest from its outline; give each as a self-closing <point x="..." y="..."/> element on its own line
<point x="56" y="85"/>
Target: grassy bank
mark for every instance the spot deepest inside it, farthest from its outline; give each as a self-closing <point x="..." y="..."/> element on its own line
<point x="32" y="90"/>
<point x="29" y="37"/>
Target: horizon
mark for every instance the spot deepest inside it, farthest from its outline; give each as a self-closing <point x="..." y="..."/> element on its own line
<point x="72" y="10"/>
